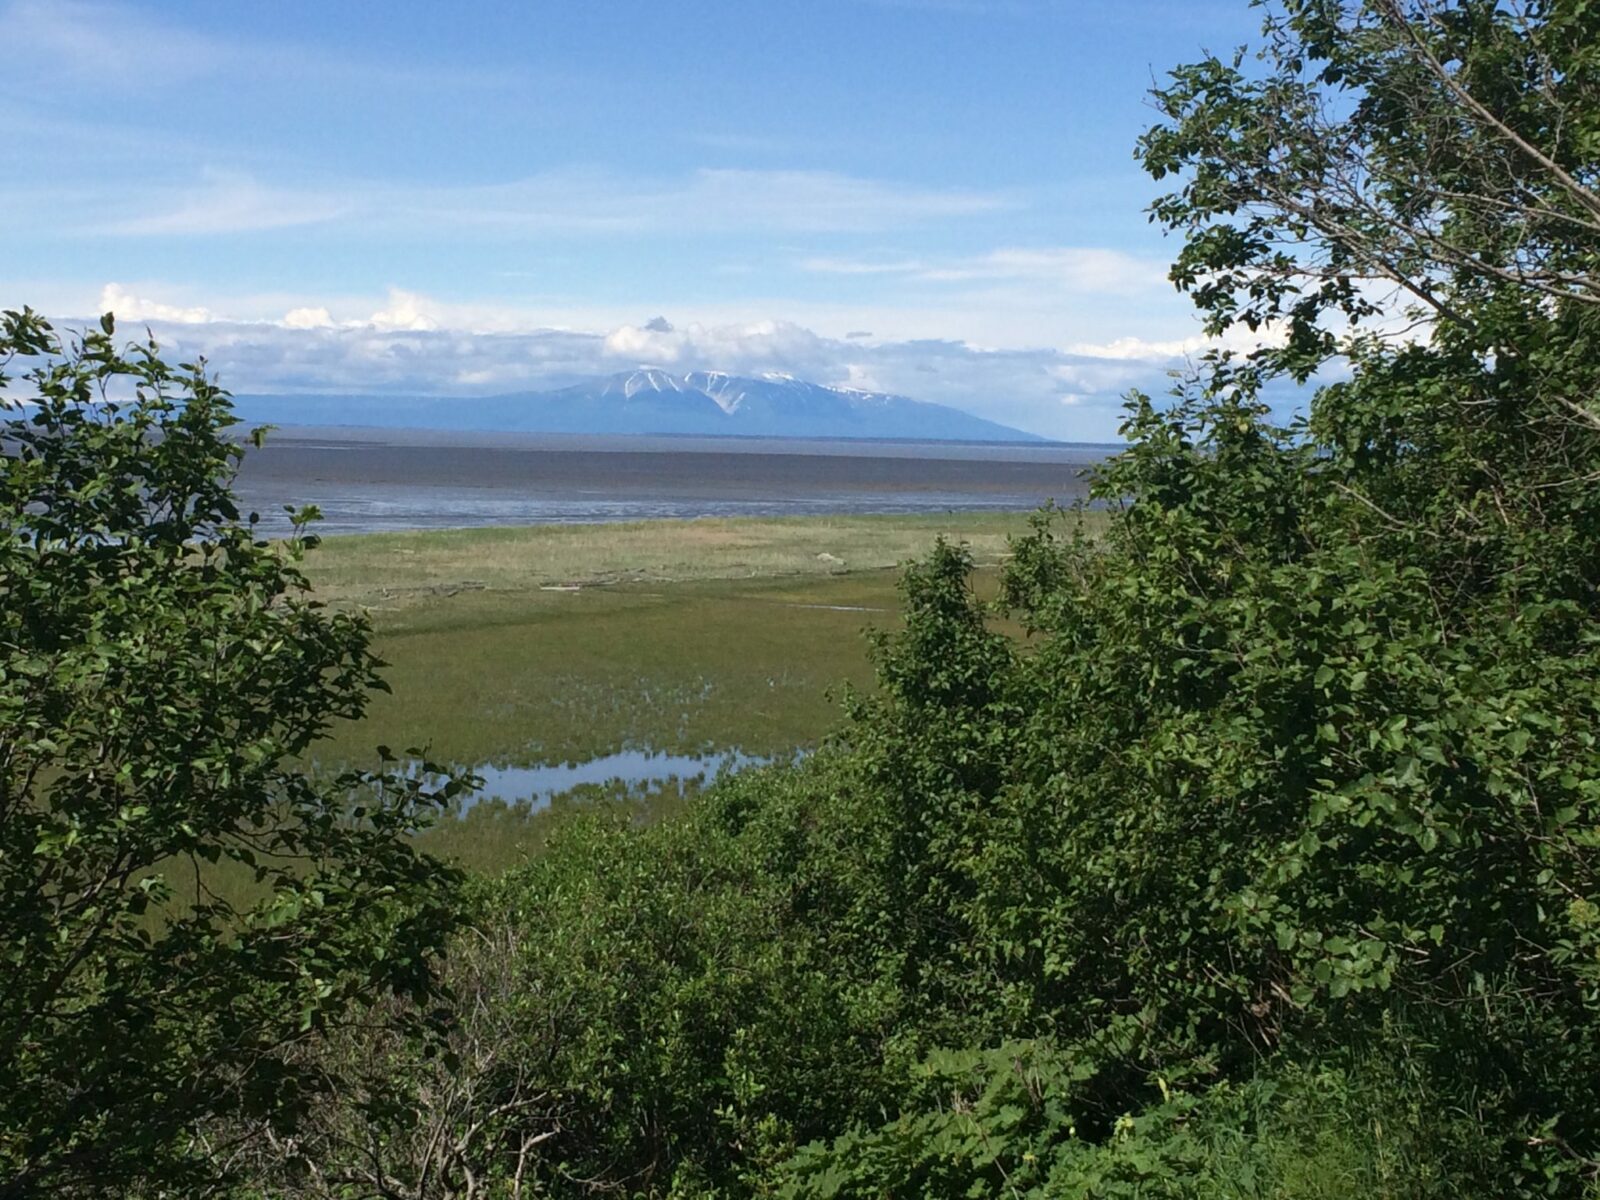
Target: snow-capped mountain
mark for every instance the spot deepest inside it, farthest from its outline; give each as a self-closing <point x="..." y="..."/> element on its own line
<point x="651" y="400"/>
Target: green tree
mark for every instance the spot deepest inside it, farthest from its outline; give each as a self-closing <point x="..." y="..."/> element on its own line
<point x="1269" y="857"/>
<point x="1304" y="758"/>
<point x="162" y="670"/>
<point x="1445" y="152"/>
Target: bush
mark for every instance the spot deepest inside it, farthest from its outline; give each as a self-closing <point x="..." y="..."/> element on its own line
<point x="161" y="670"/>
<point x="1263" y="863"/>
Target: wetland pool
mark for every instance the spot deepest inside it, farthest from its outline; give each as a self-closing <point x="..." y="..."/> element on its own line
<point x="636" y="771"/>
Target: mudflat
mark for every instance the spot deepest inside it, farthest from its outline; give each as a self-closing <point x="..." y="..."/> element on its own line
<point x="373" y="480"/>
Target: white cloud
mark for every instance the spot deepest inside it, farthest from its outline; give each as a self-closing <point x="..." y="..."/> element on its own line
<point x="308" y="318"/>
<point x="1134" y="349"/>
<point x="756" y="346"/>
<point x="407" y="343"/>
<point x="406" y="311"/>
<point x="414" y="345"/>
<point x="826" y="200"/>
<point x="228" y="203"/>
<point x="110" y="46"/>
<point x="852" y="266"/>
<point x="647" y="344"/>
<point x="114" y="298"/>
<point x="1079" y="268"/>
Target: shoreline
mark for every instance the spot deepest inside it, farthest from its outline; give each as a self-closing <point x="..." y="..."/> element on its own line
<point x="366" y="485"/>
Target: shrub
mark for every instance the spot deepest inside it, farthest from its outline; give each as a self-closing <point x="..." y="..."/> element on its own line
<point x="160" y="671"/>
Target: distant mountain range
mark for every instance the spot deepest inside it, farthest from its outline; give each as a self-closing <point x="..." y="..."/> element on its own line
<point x="648" y="401"/>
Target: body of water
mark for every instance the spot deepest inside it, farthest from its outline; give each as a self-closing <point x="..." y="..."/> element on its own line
<point x="367" y="480"/>
<point x="637" y="770"/>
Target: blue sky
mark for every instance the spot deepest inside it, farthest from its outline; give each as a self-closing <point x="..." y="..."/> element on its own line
<point x="936" y="197"/>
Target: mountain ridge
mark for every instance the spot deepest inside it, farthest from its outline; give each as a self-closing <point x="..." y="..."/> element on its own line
<point x="651" y="400"/>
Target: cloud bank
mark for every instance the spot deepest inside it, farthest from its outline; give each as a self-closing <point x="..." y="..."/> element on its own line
<point x="411" y="345"/>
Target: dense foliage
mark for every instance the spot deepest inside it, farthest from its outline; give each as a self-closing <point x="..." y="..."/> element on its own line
<point x="1254" y="852"/>
<point x="160" y="672"/>
<point x="1265" y="861"/>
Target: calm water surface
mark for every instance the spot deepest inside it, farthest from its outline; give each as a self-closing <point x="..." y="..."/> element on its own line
<point x="635" y="771"/>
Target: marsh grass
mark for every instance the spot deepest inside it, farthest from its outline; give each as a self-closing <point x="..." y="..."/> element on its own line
<point x="518" y="680"/>
<point x="391" y="572"/>
<point x="680" y="636"/>
<point x="684" y="637"/>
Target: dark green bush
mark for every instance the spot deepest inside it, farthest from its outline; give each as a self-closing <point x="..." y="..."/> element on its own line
<point x="1298" y="759"/>
<point x="161" y="671"/>
<point x="1265" y="862"/>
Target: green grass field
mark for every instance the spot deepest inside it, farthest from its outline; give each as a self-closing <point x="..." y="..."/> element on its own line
<point x="525" y="646"/>
<point x="562" y="643"/>
<point x="394" y="574"/>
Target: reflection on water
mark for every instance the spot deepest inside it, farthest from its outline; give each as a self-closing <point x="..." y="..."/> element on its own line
<point x="636" y="770"/>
